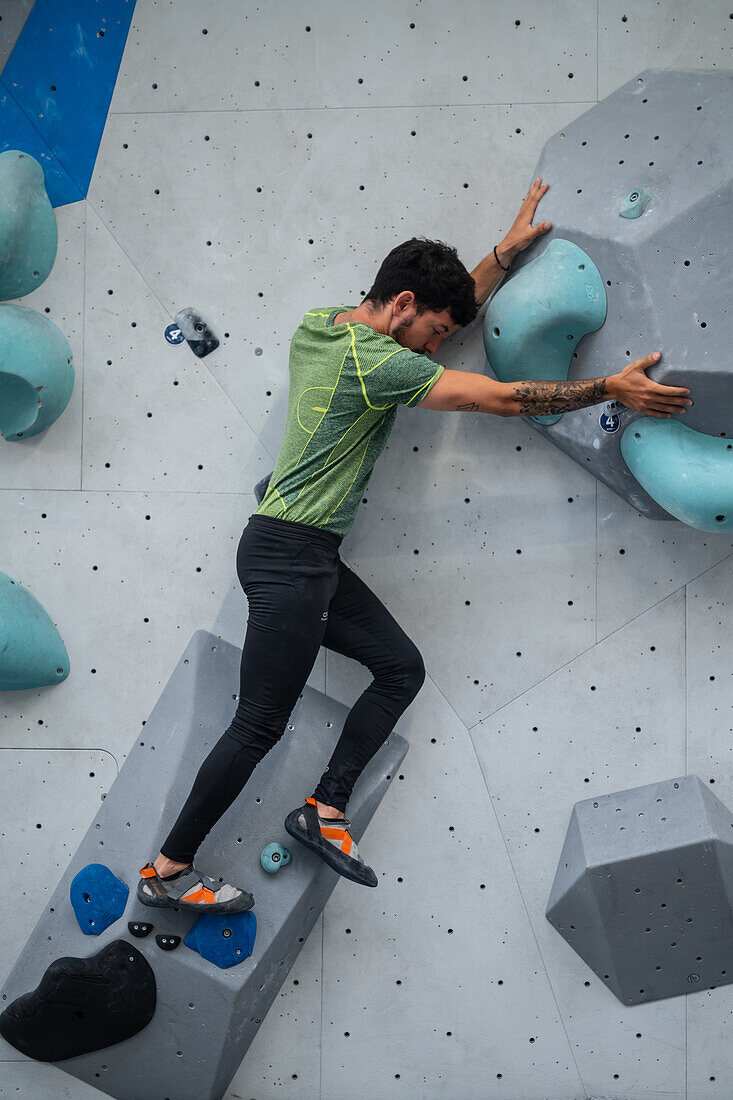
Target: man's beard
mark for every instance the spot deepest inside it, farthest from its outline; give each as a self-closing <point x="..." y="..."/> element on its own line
<point x="399" y="331"/>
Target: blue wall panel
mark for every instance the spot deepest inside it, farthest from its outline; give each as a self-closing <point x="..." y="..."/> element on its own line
<point x="57" y="85"/>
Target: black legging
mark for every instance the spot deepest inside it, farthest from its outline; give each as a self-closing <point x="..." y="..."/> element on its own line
<point x="300" y="596"/>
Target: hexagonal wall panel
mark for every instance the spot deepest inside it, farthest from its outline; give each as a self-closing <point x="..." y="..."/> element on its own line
<point x="642" y="890"/>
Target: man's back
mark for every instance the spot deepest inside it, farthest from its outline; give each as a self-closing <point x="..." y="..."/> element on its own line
<point x="346" y="381"/>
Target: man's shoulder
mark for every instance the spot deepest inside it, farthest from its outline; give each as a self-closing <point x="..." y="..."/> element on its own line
<point x="319" y="316"/>
<point x="323" y="312"/>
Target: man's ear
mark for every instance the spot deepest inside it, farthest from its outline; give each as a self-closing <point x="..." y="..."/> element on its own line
<point x="401" y="302"/>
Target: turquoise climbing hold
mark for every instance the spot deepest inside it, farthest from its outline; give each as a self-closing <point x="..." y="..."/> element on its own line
<point x="273" y="857"/>
<point x="536" y="320"/>
<point x="689" y="473"/>
<point x="28" y="234"/>
<point x="36" y="375"/>
<point x="32" y="653"/>
<point x="635" y="203"/>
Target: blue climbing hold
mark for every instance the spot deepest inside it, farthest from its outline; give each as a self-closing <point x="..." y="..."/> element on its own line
<point x="689" y="473"/>
<point x="225" y="940"/>
<point x="28" y="234"/>
<point x="98" y="898"/>
<point x="36" y="375"/>
<point x="32" y="653"/>
<point x="635" y="203"/>
<point x="536" y="320"/>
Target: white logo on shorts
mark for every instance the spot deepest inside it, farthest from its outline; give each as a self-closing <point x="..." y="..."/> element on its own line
<point x="324" y="616"/>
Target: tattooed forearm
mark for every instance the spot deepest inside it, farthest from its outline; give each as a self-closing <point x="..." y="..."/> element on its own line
<point x="470" y="407"/>
<point x="541" y="398"/>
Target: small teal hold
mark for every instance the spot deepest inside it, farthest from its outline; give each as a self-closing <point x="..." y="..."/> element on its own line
<point x="536" y="320"/>
<point x="32" y="653"/>
<point x="689" y="473"/>
<point x="273" y="857"/>
<point x="223" y="940"/>
<point x="28" y="233"/>
<point x="36" y="375"/>
<point x="98" y="898"/>
<point x="635" y="203"/>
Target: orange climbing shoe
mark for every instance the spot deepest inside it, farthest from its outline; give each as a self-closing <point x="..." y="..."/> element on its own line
<point x="192" y="891"/>
<point x="329" y="838"/>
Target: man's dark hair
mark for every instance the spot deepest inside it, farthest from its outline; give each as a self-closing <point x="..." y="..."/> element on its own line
<point x="434" y="274"/>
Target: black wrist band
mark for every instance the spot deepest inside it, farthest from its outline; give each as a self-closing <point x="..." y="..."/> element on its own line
<point x="501" y="265"/>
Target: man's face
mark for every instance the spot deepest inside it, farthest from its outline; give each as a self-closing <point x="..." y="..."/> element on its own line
<point x="421" y="332"/>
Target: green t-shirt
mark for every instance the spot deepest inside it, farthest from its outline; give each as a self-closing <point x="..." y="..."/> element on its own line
<point x="346" y="382"/>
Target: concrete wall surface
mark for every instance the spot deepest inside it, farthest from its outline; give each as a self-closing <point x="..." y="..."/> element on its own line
<point x="259" y="160"/>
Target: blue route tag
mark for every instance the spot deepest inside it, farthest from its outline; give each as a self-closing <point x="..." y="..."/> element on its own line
<point x="610" y="417"/>
<point x="173" y="334"/>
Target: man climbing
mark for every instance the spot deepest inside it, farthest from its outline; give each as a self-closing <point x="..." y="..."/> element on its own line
<point x="349" y="370"/>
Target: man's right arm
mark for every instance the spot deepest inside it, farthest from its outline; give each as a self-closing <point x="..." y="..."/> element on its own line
<point x="463" y="391"/>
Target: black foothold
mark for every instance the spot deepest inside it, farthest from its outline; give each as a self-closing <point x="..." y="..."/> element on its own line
<point x="167" y="942"/>
<point x="139" y="928"/>
<point x="81" y="1005"/>
<point x="196" y="331"/>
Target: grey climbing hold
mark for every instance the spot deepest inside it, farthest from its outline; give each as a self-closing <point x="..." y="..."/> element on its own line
<point x="196" y="331"/>
<point x="36" y="375"/>
<point x="32" y="653"/>
<point x="261" y="487"/>
<point x="642" y="891"/>
<point x="28" y="233"/>
<point x="537" y="319"/>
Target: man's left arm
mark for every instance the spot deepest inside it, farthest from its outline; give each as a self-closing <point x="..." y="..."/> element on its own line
<point x="488" y="274"/>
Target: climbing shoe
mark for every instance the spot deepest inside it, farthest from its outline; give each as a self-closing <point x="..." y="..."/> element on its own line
<point x="192" y="891"/>
<point x="331" y="841"/>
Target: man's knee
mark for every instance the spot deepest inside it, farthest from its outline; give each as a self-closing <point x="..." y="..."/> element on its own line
<point x="256" y="731"/>
<point x="411" y="671"/>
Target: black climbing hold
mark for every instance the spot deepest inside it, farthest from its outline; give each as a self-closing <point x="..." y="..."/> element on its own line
<point x="168" y="942"/>
<point x="199" y="336"/>
<point x="82" y="1005"/>
<point x="98" y="898"/>
<point x="139" y="928"/>
<point x="261" y="487"/>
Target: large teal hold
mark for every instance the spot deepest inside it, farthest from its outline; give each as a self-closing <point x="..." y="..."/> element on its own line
<point x="28" y="234"/>
<point x="536" y="320"/>
<point x="32" y="653"/>
<point x="36" y="375"/>
<point x="687" y="472"/>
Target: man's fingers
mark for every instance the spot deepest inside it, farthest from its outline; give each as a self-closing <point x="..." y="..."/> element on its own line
<point x="647" y="361"/>
<point x="536" y="191"/>
<point x="671" y="395"/>
<point x="667" y="392"/>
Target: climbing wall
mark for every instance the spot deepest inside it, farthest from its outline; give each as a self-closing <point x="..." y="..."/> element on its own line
<point x="257" y="161"/>
<point x="639" y="182"/>
<point x="213" y="993"/>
